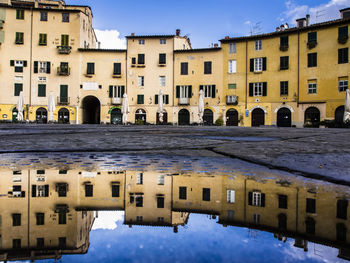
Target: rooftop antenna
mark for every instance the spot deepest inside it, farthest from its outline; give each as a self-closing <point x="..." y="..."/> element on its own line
<point x="256" y="29"/>
<point x="320" y="13"/>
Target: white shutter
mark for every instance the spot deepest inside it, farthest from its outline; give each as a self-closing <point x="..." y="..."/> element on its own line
<point x="230" y="196"/>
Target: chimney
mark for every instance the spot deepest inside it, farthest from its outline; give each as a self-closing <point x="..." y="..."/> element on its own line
<point x="178" y="32"/>
<point x="227" y="37"/>
<point x="301" y="22"/>
<point x="307" y="20"/>
<point x="99" y="45"/>
<point x="278" y="29"/>
<point x="132" y="34"/>
<point x="216" y="45"/>
<point x="345" y="13"/>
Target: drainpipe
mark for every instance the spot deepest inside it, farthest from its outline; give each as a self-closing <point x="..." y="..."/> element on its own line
<point x="246" y="74"/>
<point x="30" y="64"/>
<point x="298" y="68"/>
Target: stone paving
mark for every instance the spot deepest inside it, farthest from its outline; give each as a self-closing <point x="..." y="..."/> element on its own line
<point x="317" y="153"/>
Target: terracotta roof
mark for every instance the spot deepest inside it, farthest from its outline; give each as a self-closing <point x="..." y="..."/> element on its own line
<point x="151" y="36"/>
<point x="197" y="50"/>
<point x="101" y="50"/>
<point x="287" y="31"/>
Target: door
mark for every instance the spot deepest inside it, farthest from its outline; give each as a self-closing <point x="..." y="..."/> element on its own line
<point x="184" y="117"/>
<point x="116" y="116"/>
<point x="63" y="116"/>
<point x="208" y="117"/>
<point x="41" y="115"/>
<point x="258" y="117"/>
<point x="284" y="118"/>
<point x="312" y="117"/>
<point x="165" y="118"/>
<point x="14" y="115"/>
<point x="140" y="117"/>
<point x="232" y="117"/>
<point x="339" y="117"/>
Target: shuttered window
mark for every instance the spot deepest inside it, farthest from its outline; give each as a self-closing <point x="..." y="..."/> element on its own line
<point x="258" y="89"/>
<point x="117" y="69"/>
<point x="165" y="99"/>
<point x="89" y="190"/>
<point x="40" y="219"/>
<point x="140" y="99"/>
<point x="342" y="209"/>
<point x="207" y="67"/>
<point x="160" y="202"/>
<point x="42" y="39"/>
<point x="162" y="59"/>
<point x="16" y="219"/>
<point x="18" y="88"/>
<point x="65" y="40"/>
<point x="90" y="68"/>
<point x="184" y="68"/>
<point x="343" y="32"/>
<point x="209" y="90"/>
<point x="284" y="41"/>
<point x="310" y="205"/>
<point x="141" y="59"/>
<point x="343" y="55"/>
<point x="115" y="190"/>
<point x="63" y="93"/>
<point x="284" y="88"/>
<point x="283" y="201"/>
<point x="312" y="60"/>
<point x="312" y="37"/>
<point x="284" y="63"/>
<point x="62" y="217"/>
<point x="42" y="90"/>
<point x="43" y="16"/>
<point x="19" y="38"/>
<point x="256" y="199"/>
<point x="183" y="192"/>
<point x="139" y="201"/>
<point x="183" y="91"/>
<point x="206" y="194"/>
<point x="230" y="196"/>
<point x="65" y="17"/>
<point x="20" y="14"/>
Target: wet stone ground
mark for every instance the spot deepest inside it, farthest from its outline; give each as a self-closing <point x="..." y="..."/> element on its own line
<point x="317" y="153"/>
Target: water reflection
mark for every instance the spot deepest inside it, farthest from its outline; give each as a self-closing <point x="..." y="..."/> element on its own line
<point x="48" y="213"/>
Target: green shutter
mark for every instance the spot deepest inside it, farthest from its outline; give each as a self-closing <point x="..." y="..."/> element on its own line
<point x="35" y="66"/>
<point x="166" y="99"/>
<point x="111" y="91"/>
<point x="117" y="68"/>
<point x="177" y="91"/>
<point x="251" y="90"/>
<point x="41" y="90"/>
<point x="18" y="88"/>
<point x="156" y="99"/>
<point x="251" y="65"/>
<point x="189" y="91"/>
<point x="12" y="63"/>
<point x="64" y="40"/>
<point x="123" y="91"/>
<point x="213" y="90"/>
<point x="48" y="67"/>
<point x="264" y="88"/>
<point x="264" y="64"/>
<point x="200" y="87"/>
<point x="140" y="99"/>
<point x="231" y="86"/>
<point x="64" y="93"/>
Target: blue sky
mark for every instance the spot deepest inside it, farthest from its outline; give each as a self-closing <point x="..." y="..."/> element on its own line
<point x="205" y="21"/>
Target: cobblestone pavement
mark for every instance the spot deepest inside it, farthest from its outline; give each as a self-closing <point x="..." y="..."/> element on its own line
<point x="316" y="153"/>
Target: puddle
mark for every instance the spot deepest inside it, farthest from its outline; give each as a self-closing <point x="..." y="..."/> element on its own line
<point x="159" y="209"/>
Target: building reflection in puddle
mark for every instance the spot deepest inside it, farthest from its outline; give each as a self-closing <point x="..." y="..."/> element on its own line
<point x="49" y="213"/>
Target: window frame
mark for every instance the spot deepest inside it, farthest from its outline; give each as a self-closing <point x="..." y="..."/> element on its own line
<point x="43" y="16"/>
<point x="343" y="85"/>
<point x="20" y="14"/>
<point x="232" y="49"/>
<point x="231" y="196"/>
<point x="162" y="81"/>
<point x="232" y="66"/>
<point x="208" y="67"/>
<point x="184" y="68"/>
<point x="258" y="64"/>
<point x="65" y="17"/>
<point x="258" y="89"/>
<point x="19" y="40"/>
<point x="42" y="90"/>
<point x="141" y="81"/>
<point x="258" y="45"/>
<point x="284" y="88"/>
<point x="312" y="87"/>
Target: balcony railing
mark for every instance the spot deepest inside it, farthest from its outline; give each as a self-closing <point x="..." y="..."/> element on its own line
<point x="232" y="100"/>
<point x="64" y="49"/>
<point x="284" y="47"/>
<point x="63" y="71"/>
<point x="63" y="100"/>
<point x="311" y="44"/>
<point x="343" y="39"/>
<point x="184" y="101"/>
<point x="116" y="101"/>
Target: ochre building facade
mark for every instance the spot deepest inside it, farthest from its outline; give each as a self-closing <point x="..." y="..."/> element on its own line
<point x="291" y="77"/>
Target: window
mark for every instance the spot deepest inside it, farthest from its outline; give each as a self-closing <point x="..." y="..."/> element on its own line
<point x="343" y="33"/>
<point x="165" y="99"/>
<point x="341" y="232"/>
<point x="139" y="201"/>
<point x="258" y="44"/>
<point x="256" y="199"/>
<point x="64" y="68"/>
<point x="42" y="67"/>
<point x="312" y="87"/>
<point x="90" y="69"/>
<point x="163" y="41"/>
<point x="65" y="17"/>
<point x="40" y="172"/>
<point x="160" y="201"/>
<point x="258" y="64"/>
<point x="139" y="178"/>
<point x="258" y="89"/>
<point x="40" y="219"/>
<point x="183" y="91"/>
<point x="162" y="81"/>
<point x="16" y="243"/>
<point x="343" y="55"/>
<point x="141" y="81"/>
<point x="140" y="99"/>
<point x="20" y="14"/>
<point x="40" y="242"/>
<point x="209" y="90"/>
<point x="139" y="219"/>
<point x="256" y="218"/>
<point x="312" y="37"/>
<point x="65" y="40"/>
<point x="184" y="68"/>
<point x="230" y="196"/>
<point x="232" y="48"/>
<point x="40" y="190"/>
<point x="117" y="69"/>
<point x="141" y="41"/>
<point x="16" y="219"/>
<point x="310" y="205"/>
<point x="62" y="217"/>
<point x="206" y="194"/>
<point x="133" y="61"/>
<point x="62" y="242"/>
<point x="310" y="226"/>
<point x="284" y="42"/>
<point x="230" y="215"/>
<point x="284" y="63"/>
<point x="343" y="84"/>
<point x="43" y="16"/>
<point x="18" y="64"/>
<point x="42" y="39"/>
<point x="61" y="188"/>
<point x="160" y="220"/>
<point x="207" y="67"/>
<point x="284" y="88"/>
<point x="160" y="179"/>
<point x="18" y="88"/>
<point x="116" y="91"/>
<point x="162" y="59"/>
<point x="182" y="192"/>
<point x="64" y="93"/>
<point x="232" y="66"/>
<point x="42" y="90"/>
<point x="283" y="201"/>
<point x="342" y="209"/>
<point x="19" y="38"/>
<point x="89" y="190"/>
<point x="232" y="86"/>
<point x="115" y="190"/>
<point x="312" y="60"/>
<point x="141" y="59"/>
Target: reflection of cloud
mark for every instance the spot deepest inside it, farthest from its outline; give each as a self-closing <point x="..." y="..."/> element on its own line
<point x="108" y="220"/>
<point x="110" y="39"/>
<point x="247" y="22"/>
<point x="318" y="13"/>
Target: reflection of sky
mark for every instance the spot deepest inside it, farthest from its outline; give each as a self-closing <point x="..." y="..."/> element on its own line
<point x="201" y="240"/>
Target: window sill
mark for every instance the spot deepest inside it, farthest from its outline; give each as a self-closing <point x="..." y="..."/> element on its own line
<point x="117" y="75"/>
<point x="258" y="72"/>
<point x="89" y="75"/>
<point x="141" y="65"/>
<point x="42" y="44"/>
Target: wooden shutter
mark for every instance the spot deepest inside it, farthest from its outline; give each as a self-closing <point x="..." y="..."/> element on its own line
<point x="189" y="91"/>
<point x="166" y="99"/>
<point x="213" y="90"/>
<point x="264" y="88"/>
<point x="141" y="59"/>
<point x="33" y="190"/>
<point x="48" y="67"/>
<point x="41" y="90"/>
<point x="162" y="58"/>
<point x="264" y="64"/>
<point x="177" y="91"/>
<point x="133" y="61"/>
<point x="111" y="91"/>
<point x="117" y="68"/>
<point x="251" y="89"/>
<point x="64" y="91"/>
<point x="24" y="63"/>
<point x="342" y="209"/>
<point x="46" y="190"/>
<point x="252" y="65"/>
<point x="262" y="200"/>
<point x="156" y="99"/>
<point x="122" y="91"/>
<point x="200" y="87"/>
<point x="310" y="205"/>
<point x="115" y="190"/>
<point x="35" y="66"/>
<point x="250" y="198"/>
<point x="183" y="192"/>
<point x="12" y="63"/>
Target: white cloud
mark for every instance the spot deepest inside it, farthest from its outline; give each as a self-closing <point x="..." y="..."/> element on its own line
<point x="110" y="39"/>
<point x="320" y="13"/>
<point x="108" y="220"/>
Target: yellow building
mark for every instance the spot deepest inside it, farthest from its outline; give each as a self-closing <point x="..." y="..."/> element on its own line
<point x="291" y="77"/>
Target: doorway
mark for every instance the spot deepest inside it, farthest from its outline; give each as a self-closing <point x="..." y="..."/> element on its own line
<point x="91" y="110"/>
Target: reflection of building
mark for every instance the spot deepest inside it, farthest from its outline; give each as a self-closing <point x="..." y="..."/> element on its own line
<point x="51" y="210"/>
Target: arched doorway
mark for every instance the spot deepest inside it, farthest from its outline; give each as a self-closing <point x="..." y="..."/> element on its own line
<point x="15" y="115"/>
<point x="165" y="118"/>
<point x="258" y="117"/>
<point x="116" y="116"/>
<point x="208" y="117"/>
<point x="284" y="117"/>
<point x="232" y="117"/>
<point x="41" y="115"/>
<point x="339" y="117"/>
<point x="63" y="116"/>
<point x="184" y="117"/>
<point x="91" y="110"/>
<point x="140" y="116"/>
<point x="312" y="117"/>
